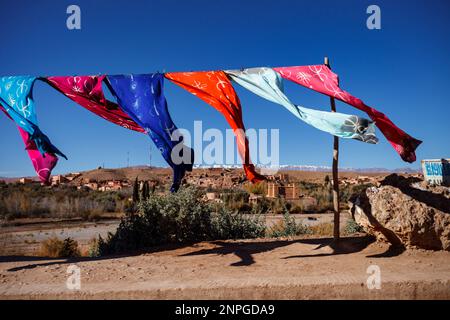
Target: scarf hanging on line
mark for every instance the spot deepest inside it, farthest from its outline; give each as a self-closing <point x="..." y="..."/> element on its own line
<point x="87" y="92"/>
<point x="142" y="98"/>
<point x="321" y="79"/>
<point x="17" y="101"/>
<point x="43" y="165"/>
<point x="215" y="88"/>
<point x="267" y="83"/>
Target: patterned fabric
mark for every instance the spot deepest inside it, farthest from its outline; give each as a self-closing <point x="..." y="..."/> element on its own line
<point x="87" y="91"/>
<point x="142" y="98"/>
<point x="215" y="88"/>
<point x="17" y="101"/>
<point x="43" y="165"/>
<point x="268" y="84"/>
<point x="321" y="79"/>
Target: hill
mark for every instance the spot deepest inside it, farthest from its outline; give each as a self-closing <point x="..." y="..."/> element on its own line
<point x="128" y="174"/>
<point x="308" y="173"/>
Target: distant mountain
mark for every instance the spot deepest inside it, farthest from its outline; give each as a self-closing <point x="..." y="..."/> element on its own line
<point x="327" y="169"/>
<point x="318" y="168"/>
<point x="147" y="172"/>
<point x="14" y="179"/>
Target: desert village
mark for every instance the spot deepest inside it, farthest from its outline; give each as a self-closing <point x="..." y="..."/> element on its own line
<point x="283" y="185"/>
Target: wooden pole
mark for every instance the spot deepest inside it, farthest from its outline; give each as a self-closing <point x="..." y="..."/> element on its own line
<point x="336" y="233"/>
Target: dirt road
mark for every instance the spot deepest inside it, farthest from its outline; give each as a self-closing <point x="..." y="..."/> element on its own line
<point x="255" y="269"/>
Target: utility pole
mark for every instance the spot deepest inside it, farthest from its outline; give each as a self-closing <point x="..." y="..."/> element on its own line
<point x="150" y="156"/>
<point x="336" y="233"/>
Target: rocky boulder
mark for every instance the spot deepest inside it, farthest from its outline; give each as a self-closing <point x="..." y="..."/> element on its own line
<point x="405" y="212"/>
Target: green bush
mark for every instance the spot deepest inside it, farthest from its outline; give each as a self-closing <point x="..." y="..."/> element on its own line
<point x="262" y="206"/>
<point x="288" y="227"/>
<point x="94" y="246"/>
<point x="245" y="208"/>
<point x="227" y="225"/>
<point x="352" y="227"/>
<point x="181" y="217"/>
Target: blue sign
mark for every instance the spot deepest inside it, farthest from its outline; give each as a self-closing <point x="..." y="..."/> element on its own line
<point x="436" y="171"/>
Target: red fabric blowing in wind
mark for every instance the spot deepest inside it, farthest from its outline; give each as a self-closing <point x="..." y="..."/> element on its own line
<point x="87" y="91"/>
<point x="321" y="79"/>
<point x="215" y="88"/>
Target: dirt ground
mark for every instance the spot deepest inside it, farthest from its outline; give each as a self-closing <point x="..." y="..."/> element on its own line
<point x="301" y="268"/>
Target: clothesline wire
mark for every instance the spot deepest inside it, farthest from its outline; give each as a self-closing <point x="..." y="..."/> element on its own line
<point x="157" y="71"/>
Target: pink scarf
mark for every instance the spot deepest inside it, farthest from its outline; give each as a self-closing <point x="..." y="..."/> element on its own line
<point x="321" y="79"/>
<point x="87" y="91"/>
<point x="43" y="165"/>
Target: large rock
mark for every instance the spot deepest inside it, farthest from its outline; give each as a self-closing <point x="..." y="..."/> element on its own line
<point x="405" y="212"/>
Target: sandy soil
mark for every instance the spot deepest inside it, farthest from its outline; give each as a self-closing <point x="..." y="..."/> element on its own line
<point x="256" y="269"/>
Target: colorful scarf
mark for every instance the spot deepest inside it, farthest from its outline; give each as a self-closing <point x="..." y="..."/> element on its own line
<point x="267" y="83"/>
<point x="142" y="98"/>
<point x="87" y="91"/>
<point x="321" y="79"/>
<point x="215" y="88"/>
<point x="43" y="164"/>
<point x="17" y="101"/>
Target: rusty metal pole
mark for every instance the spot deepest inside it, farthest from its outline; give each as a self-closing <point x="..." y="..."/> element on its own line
<point x="336" y="233"/>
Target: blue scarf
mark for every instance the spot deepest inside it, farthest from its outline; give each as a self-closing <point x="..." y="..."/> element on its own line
<point x="17" y="99"/>
<point x="267" y="83"/>
<point x="142" y="98"/>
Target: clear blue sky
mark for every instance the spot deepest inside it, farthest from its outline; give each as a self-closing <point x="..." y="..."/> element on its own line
<point x="402" y="70"/>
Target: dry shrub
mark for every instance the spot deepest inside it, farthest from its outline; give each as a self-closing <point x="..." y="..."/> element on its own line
<point x="296" y="209"/>
<point x="256" y="188"/>
<point x="287" y="227"/>
<point x="32" y="200"/>
<point x="277" y="228"/>
<point x="56" y="248"/>
<point x="322" y="229"/>
<point x="91" y="216"/>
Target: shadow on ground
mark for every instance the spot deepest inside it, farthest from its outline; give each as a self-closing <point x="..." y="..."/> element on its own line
<point x="47" y="261"/>
<point x="245" y="250"/>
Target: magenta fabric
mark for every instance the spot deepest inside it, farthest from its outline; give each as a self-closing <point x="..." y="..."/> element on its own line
<point x="321" y="79"/>
<point x="87" y="91"/>
<point x="43" y="165"/>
